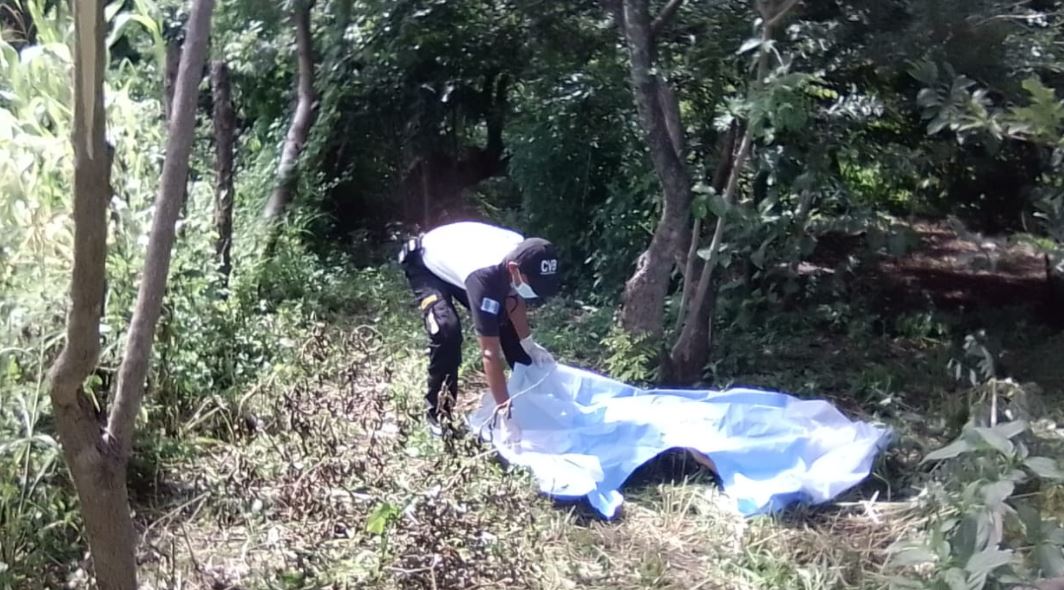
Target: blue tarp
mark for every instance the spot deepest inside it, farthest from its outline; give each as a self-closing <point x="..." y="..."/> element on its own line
<point x="583" y="435"/>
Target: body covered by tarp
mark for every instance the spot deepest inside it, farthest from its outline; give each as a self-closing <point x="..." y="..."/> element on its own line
<point x="583" y="435"/>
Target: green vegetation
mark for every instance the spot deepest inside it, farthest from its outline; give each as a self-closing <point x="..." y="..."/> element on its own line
<point x="892" y="239"/>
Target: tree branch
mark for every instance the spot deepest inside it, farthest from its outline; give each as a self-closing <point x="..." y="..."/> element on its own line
<point x="645" y="290"/>
<point x="498" y="101"/>
<point x="714" y="246"/>
<point x="664" y="17"/>
<point x="287" y="169"/>
<point x="780" y="14"/>
<point x="134" y="367"/>
<point x="670" y="110"/>
<point x="224" y="129"/>
<point x="720" y="179"/>
<point x="92" y="166"/>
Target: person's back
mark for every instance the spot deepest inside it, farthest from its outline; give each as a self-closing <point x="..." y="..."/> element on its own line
<point x="453" y="252"/>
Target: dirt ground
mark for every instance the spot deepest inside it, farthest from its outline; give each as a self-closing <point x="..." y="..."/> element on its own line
<point x="980" y="281"/>
<point x="960" y="273"/>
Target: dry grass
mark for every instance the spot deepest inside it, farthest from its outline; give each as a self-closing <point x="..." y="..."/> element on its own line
<point x="688" y="536"/>
<point x="339" y="442"/>
<point x="288" y="505"/>
<point x="844" y="546"/>
<point x="335" y="449"/>
<point x="671" y="537"/>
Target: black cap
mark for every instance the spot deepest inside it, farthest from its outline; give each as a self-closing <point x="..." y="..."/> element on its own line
<point x="538" y="261"/>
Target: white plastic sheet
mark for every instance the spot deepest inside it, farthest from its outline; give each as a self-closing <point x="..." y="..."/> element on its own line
<point x="583" y="434"/>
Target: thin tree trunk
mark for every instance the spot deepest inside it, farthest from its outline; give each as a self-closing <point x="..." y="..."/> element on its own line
<point x="663" y="18"/>
<point x="173" y="62"/>
<point x="670" y="110"/>
<point x="173" y="59"/>
<point x="433" y="188"/>
<point x="692" y="270"/>
<point x="224" y="126"/>
<point x="134" y="367"/>
<point x="287" y="170"/>
<point x="97" y="471"/>
<point x="691" y="350"/>
<point x="644" y="296"/>
<point x="97" y="457"/>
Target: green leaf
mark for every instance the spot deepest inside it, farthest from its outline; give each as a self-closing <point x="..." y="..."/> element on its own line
<point x="950" y="451"/>
<point x="1045" y="468"/>
<point x="1031" y="520"/>
<point x="1011" y="429"/>
<point x="972" y="535"/>
<point x="718" y="205"/>
<point x="977" y="581"/>
<point x="700" y="206"/>
<point x="1039" y="92"/>
<point x="758" y="257"/>
<point x="1050" y="560"/>
<point x="925" y="71"/>
<point x="993" y="439"/>
<point x="911" y="556"/>
<point x="987" y="561"/>
<point x="749" y="45"/>
<point x="381" y="516"/>
<point x="937" y="125"/>
<point x="1055" y="535"/>
<point x="1017" y="476"/>
<point x="996" y="493"/>
<point x="955" y="578"/>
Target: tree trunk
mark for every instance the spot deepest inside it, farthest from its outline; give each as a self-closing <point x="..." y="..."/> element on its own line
<point x="100" y="478"/>
<point x="288" y="170"/>
<point x="691" y="350"/>
<point x="173" y="59"/>
<point x="97" y="471"/>
<point x="692" y="269"/>
<point x="224" y="127"/>
<point x="134" y="367"/>
<point x="173" y="62"/>
<point x="644" y="294"/>
<point x="97" y="457"/>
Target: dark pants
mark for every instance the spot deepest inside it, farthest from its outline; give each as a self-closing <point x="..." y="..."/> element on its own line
<point x="435" y="299"/>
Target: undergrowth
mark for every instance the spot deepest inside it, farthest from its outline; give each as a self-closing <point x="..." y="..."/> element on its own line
<point x="283" y="447"/>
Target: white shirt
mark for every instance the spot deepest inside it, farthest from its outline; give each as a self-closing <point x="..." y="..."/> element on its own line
<point x="453" y="252"/>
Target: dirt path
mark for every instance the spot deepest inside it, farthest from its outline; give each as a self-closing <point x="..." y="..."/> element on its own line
<point x="957" y="272"/>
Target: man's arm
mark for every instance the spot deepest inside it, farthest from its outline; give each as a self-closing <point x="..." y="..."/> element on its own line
<point x="518" y="313"/>
<point x="491" y="352"/>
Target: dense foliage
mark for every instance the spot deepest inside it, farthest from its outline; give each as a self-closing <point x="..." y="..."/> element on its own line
<point x="875" y="115"/>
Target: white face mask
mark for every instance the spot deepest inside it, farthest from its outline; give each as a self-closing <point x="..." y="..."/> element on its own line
<point x="525" y="291"/>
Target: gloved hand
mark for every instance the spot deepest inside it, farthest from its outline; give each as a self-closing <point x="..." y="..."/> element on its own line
<point x="539" y="355"/>
<point x="504" y="428"/>
<point x="510" y="432"/>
